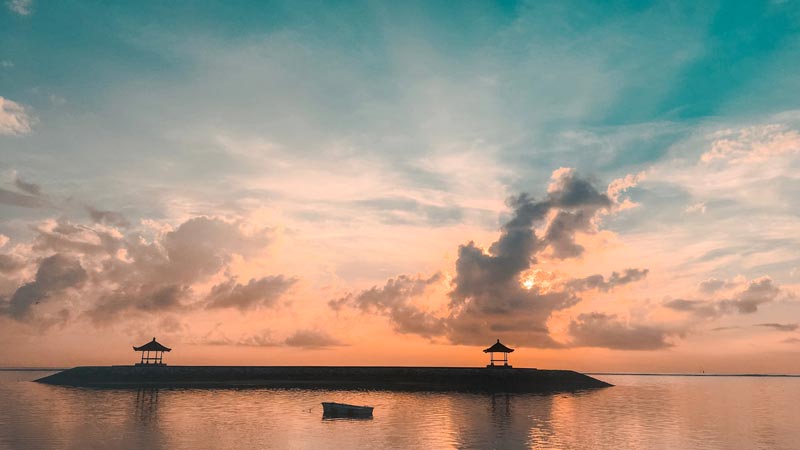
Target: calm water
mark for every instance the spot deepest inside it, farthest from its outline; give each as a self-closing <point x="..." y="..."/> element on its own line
<point x="639" y="413"/>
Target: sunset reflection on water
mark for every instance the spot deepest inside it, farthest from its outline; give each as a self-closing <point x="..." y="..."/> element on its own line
<point x="640" y="412"/>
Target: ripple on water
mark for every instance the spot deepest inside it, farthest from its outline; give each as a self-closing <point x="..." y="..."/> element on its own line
<point x="639" y="413"/>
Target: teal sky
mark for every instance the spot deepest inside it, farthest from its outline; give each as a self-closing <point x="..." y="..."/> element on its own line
<point x="356" y="131"/>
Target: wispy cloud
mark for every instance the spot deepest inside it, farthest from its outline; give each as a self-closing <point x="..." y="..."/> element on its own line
<point x="312" y="339"/>
<point x="779" y="326"/>
<point x="22" y="7"/>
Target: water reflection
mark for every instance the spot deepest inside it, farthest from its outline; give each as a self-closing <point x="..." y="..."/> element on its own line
<point x="146" y="409"/>
<point x="645" y="412"/>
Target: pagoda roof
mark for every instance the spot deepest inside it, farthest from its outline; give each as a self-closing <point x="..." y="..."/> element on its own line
<point x="152" y="346"/>
<point x="498" y="348"/>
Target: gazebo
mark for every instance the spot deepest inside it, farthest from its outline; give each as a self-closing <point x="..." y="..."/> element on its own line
<point x="156" y="349"/>
<point x="498" y="348"/>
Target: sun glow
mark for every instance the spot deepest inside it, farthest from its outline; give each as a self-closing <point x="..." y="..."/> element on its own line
<point x="528" y="283"/>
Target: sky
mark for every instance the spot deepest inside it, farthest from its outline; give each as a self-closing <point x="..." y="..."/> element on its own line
<point x="604" y="186"/>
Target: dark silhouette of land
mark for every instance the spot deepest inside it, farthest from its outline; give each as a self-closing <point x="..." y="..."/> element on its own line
<point x="498" y="379"/>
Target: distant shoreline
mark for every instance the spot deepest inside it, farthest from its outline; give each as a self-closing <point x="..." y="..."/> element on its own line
<point x="641" y="374"/>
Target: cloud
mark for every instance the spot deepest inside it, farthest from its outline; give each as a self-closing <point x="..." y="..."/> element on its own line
<point x="262" y="292"/>
<point x="791" y="340"/>
<point x="393" y="299"/>
<point x="14" y="118"/>
<point x="576" y="202"/>
<point x="107" y="217"/>
<point x="618" y="187"/>
<point x="778" y="326"/>
<point x="55" y="274"/>
<point x="159" y="275"/>
<point x="405" y="211"/>
<point x="698" y="207"/>
<point x="749" y="144"/>
<point x="726" y="328"/>
<point x="307" y="339"/>
<point x="21" y="7"/>
<point x="757" y="292"/>
<point x="713" y="285"/>
<point x="746" y="301"/>
<point x="27" y="187"/>
<point x="487" y="296"/>
<point x="599" y="282"/>
<point x="700" y="308"/>
<point x="150" y="272"/>
<point x="22" y="200"/>
<point x="311" y="339"/>
<point x="201" y="246"/>
<point x="140" y="297"/>
<point x="10" y="263"/>
<point x="606" y="330"/>
<point x="261" y="339"/>
<point x="66" y="237"/>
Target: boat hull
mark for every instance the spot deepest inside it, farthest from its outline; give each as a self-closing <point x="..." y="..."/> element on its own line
<point x="330" y="409"/>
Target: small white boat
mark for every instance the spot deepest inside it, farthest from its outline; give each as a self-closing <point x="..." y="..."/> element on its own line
<point x="330" y="409"/>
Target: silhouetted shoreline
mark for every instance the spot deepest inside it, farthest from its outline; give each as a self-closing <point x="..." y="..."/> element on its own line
<point x="329" y="377"/>
<point x="696" y="374"/>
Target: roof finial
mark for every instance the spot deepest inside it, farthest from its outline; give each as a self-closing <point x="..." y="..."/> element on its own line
<point x="498" y="341"/>
<point x="154" y="339"/>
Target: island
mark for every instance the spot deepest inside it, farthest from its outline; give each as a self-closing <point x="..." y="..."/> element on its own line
<point x="468" y="379"/>
<point x="152" y="372"/>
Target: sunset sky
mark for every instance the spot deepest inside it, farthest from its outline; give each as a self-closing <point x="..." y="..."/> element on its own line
<point x="610" y="188"/>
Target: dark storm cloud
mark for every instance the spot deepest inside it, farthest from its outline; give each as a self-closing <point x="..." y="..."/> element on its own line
<point x="107" y="217"/>
<point x="487" y="297"/>
<point x="600" y="283"/>
<point x="262" y="292"/>
<point x="746" y="301"/>
<point x="608" y="331"/>
<point x="779" y="326"/>
<point x="311" y="339"/>
<point x="55" y="274"/>
<point x="29" y="188"/>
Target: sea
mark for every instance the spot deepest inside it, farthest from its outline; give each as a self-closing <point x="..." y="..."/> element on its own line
<point x="639" y="412"/>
